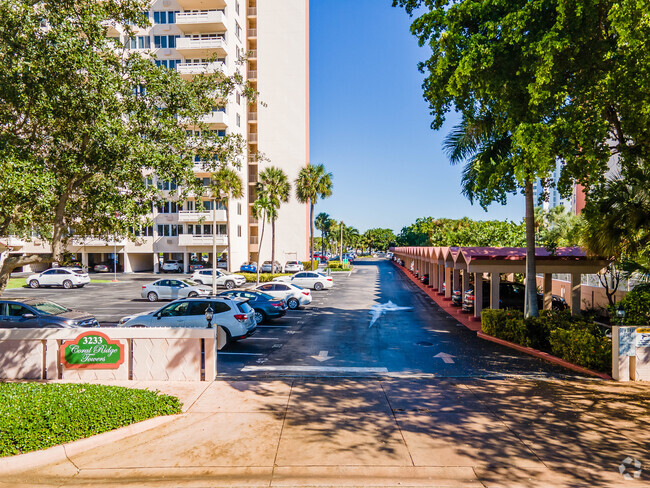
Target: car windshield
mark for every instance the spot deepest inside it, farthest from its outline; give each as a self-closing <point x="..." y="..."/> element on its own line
<point x="49" y="308"/>
<point x="79" y="271"/>
<point x="244" y="307"/>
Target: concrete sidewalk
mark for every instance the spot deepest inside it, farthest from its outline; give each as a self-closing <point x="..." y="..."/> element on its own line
<point x="367" y="433"/>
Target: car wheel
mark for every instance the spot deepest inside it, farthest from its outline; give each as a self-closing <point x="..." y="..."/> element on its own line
<point x="293" y="303"/>
<point x="260" y="316"/>
<point x="34" y="284"/>
<point x="199" y="282"/>
<point x="67" y="284"/>
<point x="152" y="296"/>
<point x="230" y="284"/>
<point x="318" y="286"/>
<point x="192" y="294"/>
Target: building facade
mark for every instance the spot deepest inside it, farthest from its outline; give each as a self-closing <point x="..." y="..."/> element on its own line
<point x="184" y="34"/>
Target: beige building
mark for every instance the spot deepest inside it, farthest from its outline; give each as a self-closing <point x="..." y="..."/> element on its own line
<point x="183" y="35"/>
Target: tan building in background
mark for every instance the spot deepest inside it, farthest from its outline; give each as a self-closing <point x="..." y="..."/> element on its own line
<point x="274" y="37"/>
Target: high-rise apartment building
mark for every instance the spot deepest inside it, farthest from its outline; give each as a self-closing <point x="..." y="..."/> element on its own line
<point x="184" y="35"/>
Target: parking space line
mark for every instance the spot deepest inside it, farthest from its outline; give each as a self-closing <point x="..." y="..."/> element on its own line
<point x="239" y="353"/>
<point x="262" y="338"/>
<point x="273" y="326"/>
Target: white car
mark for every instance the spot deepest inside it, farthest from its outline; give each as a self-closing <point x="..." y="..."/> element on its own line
<point x="308" y="279"/>
<point x="172" y="289"/>
<point x="234" y="315"/>
<point x="293" y="267"/>
<point x="172" y="266"/>
<point x="228" y="280"/>
<point x="65" y="277"/>
<point x="294" y="296"/>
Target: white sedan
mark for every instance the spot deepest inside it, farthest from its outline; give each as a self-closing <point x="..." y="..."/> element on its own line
<point x="308" y="279"/>
<point x="293" y="267"/>
<point x="172" y="289"/>
<point x="65" y="277"/>
<point x="228" y="280"/>
<point x="293" y="295"/>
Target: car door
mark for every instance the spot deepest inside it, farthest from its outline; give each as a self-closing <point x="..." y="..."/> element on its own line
<point x="173" y="315"/>
<point x="281" y="290"/>
<point x="221" y="315"/>
<point x="161" y="287"/>
<point x="175" y="289"/>
<point x="19" y="316"/>
<point x="48" y="277"/>
<point x="299" y="279"/>
<point x="270" y="289"/>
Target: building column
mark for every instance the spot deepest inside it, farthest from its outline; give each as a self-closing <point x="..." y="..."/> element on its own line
<point x="434" y="275"/>
<point x="455" y="279"/>
<point x="478" y="294"/>
<point x="576" y="290"/>
<point x="126" y="265"/>
<point x="448" y="283"/>
<point x="548" y="291"/>
<point x="84" y="260"/>
<point x="156" y="264"/>
<point x="441" y="277"/>
<point x="186" y="262"/>
<point x="495" y="279"/>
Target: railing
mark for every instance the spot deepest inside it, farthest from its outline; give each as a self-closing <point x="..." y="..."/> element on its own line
<point x="252" y="177"/>
<point x="203" y="240"/>
<point x="215" y="42"/>
<point x="252" y="11"/>
<point x="252" y="54"/>
<point x="198" y="68"/>
<point x="252" y="220"/>
<point x="252" y="74"/>
<point x="252" y="32"/>
<point x="205" y="17"/>
<point x="252" y="116"/>
<point x="253" y="240"/>
<point x="252" y="137"/>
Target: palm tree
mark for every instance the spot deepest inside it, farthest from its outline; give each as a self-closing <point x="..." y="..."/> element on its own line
<point x="263" y="210"/>
<point x="489" y="176"/>
<point x="274" y="184"/>
<point x="226" y="184"/>
<point x="321" y="224"/>
<point x="313" y="182"/>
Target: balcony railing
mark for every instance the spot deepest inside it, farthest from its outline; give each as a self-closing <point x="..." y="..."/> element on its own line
<point x="199" y="68"/>
<point x="252" y="74"/>
<point x="252" y="11"/>
<point x="201" y="18"/>
<point x="206" y="216"/>
<point x="252" y="32"/>
<point x="252" y="116"/>
<point x="192" y="240"/>
<point x="252" y="177"/>
<point x="203" y="46"/>
<point x="253" y="240"/>
<point x="252" y="54"/>
<point x="252" y="138"/>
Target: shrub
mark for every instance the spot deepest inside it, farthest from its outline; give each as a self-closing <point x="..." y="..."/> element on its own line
<point x="264" y="277"/>
<point x="307" y="265"/>
<point x="582" y="347"/>
<point x="637" y="306"/>
<point x="36" y="416"/>
<point x="338" y="266"/>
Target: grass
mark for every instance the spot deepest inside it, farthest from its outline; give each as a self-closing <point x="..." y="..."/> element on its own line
<point x="36" y="416"/>
<point x="20" y="283"/>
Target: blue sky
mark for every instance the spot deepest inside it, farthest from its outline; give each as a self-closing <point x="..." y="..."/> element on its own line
<point x="369" y="123"/>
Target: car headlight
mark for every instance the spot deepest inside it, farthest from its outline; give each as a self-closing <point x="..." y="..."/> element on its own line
<point x="123" y="320"/>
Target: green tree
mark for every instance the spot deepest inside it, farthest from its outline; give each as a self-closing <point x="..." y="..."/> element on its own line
<point x="274" y="185"/>
<point x="264" y="210"/>
<point x="379" y="239"/>
<point x="313" y="182"/>
<point x="84" y="123"/>
<point x="226" y="184"/>
<point x="321" y="222"/>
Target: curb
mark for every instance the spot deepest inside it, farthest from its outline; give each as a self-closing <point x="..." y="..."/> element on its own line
<point x="542" y="355"/>
<point x="56" y="454"/>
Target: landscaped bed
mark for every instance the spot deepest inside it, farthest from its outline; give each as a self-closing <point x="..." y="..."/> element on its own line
<point x="578" y="340"/>
<point x="36" y="416"/>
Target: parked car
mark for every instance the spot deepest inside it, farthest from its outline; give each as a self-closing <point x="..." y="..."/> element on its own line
<point x="26" y="313"/>
<point x="293" y="267"/>
<point x="222" y="263"/>
<point x="65" y="277"/>
<point x="511" y="295"/>
<point x="229" y="280"/>
<point x="295" y="296"/>
<point x="172" y="266"/>
<point x="250" y="267"/>
<point x="234" y="315"/>
<point x="172" y="289"/>
<point x="266" y="306"/>
<point x="425" y="279"/>
<point x="308" y="279"/>
<point x="267" y="268"/>
<point x="107" y="267"/>
<point x="194" y="265"/>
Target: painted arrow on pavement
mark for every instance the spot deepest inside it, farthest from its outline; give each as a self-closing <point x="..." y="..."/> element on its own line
<point x="322" y="356"/>
<point x="446" y="358"/>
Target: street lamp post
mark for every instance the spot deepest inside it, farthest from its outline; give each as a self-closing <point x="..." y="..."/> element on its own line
<point x="209" y="313"/>
<point x="620" y="313"/>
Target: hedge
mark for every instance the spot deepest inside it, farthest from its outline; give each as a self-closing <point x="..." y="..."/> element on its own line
<point x="576" y="339"/>
<point x="36" y="416"/>
<point x="264" y="277"/>
<point x="337" y="266"/>
<point x="636" y="304"/>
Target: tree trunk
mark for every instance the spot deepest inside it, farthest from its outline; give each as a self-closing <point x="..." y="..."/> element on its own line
<point x="311" y="234"/>
<point x="13" y="262"/>
<point x="259" y="251"/>
<point x="530" y="309"/>
<point x="272" y="246"/>
<point x="228" y="260"/>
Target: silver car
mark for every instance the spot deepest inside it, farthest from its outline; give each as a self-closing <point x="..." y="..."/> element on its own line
<point x="172" y="289"/>
<point x="234" y="315"/>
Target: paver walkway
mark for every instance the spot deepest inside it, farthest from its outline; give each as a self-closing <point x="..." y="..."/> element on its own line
<point x="373" y="432"/>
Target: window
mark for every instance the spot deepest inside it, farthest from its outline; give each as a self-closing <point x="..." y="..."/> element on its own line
<point x="160" y="42"/>
<point x="238" y="52"/>
<point x="130" y="42"/>
<point x="238" y="98"/>
<point x="163" y="230"/>
<point x="167" y="207"/>
<point x="239" y="208"/>
<point x="221" y="132"/>
<point x="239" y="231"/>
<point x="144" y="42"/>
<point x="220" y="307"/>
<point x="15" y="310"/>
<point x="236" y="7"/>
<point x="237" y="30"/>
<point x="172" y="41"/>
<point x="175" y="310"/>
<point x="238" y="120"/>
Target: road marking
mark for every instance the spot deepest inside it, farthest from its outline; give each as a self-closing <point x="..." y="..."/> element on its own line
<point x="240" y="353"/>
<point x="273" y="326"/>
<point x="446" y="358"/>
<point x="262" y="339"/>
<point x="322" y="356"/>
<point x="315" y="369"/>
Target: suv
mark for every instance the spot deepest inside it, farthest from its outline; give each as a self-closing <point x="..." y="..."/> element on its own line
<point x="172" y="266"/>
<point x="26" y="313"/>
<point x="234" y="315"/>
<point x="65" y="277"/>
<point x="228" y="280"/>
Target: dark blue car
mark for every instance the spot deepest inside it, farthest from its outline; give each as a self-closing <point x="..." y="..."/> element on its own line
<point x="266" y="307"/>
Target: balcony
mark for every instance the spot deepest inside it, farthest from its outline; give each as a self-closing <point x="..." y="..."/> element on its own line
<point x="95" y="241"/>
<point x="191" y="69"/>
<point x="252" y="75"/>
<point x="252" y="11"/>
<point x="192" y="240"/>
<point x="252" y="54"/>
<point x="206" y="21"/>
<point x="252" y="138"/>
<point x="252" y="33"/>
<point x="201" y="47"/>
<point x="205" y="217"/>
<point x="201" y="4"/>
<point x="217" y="120"/>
